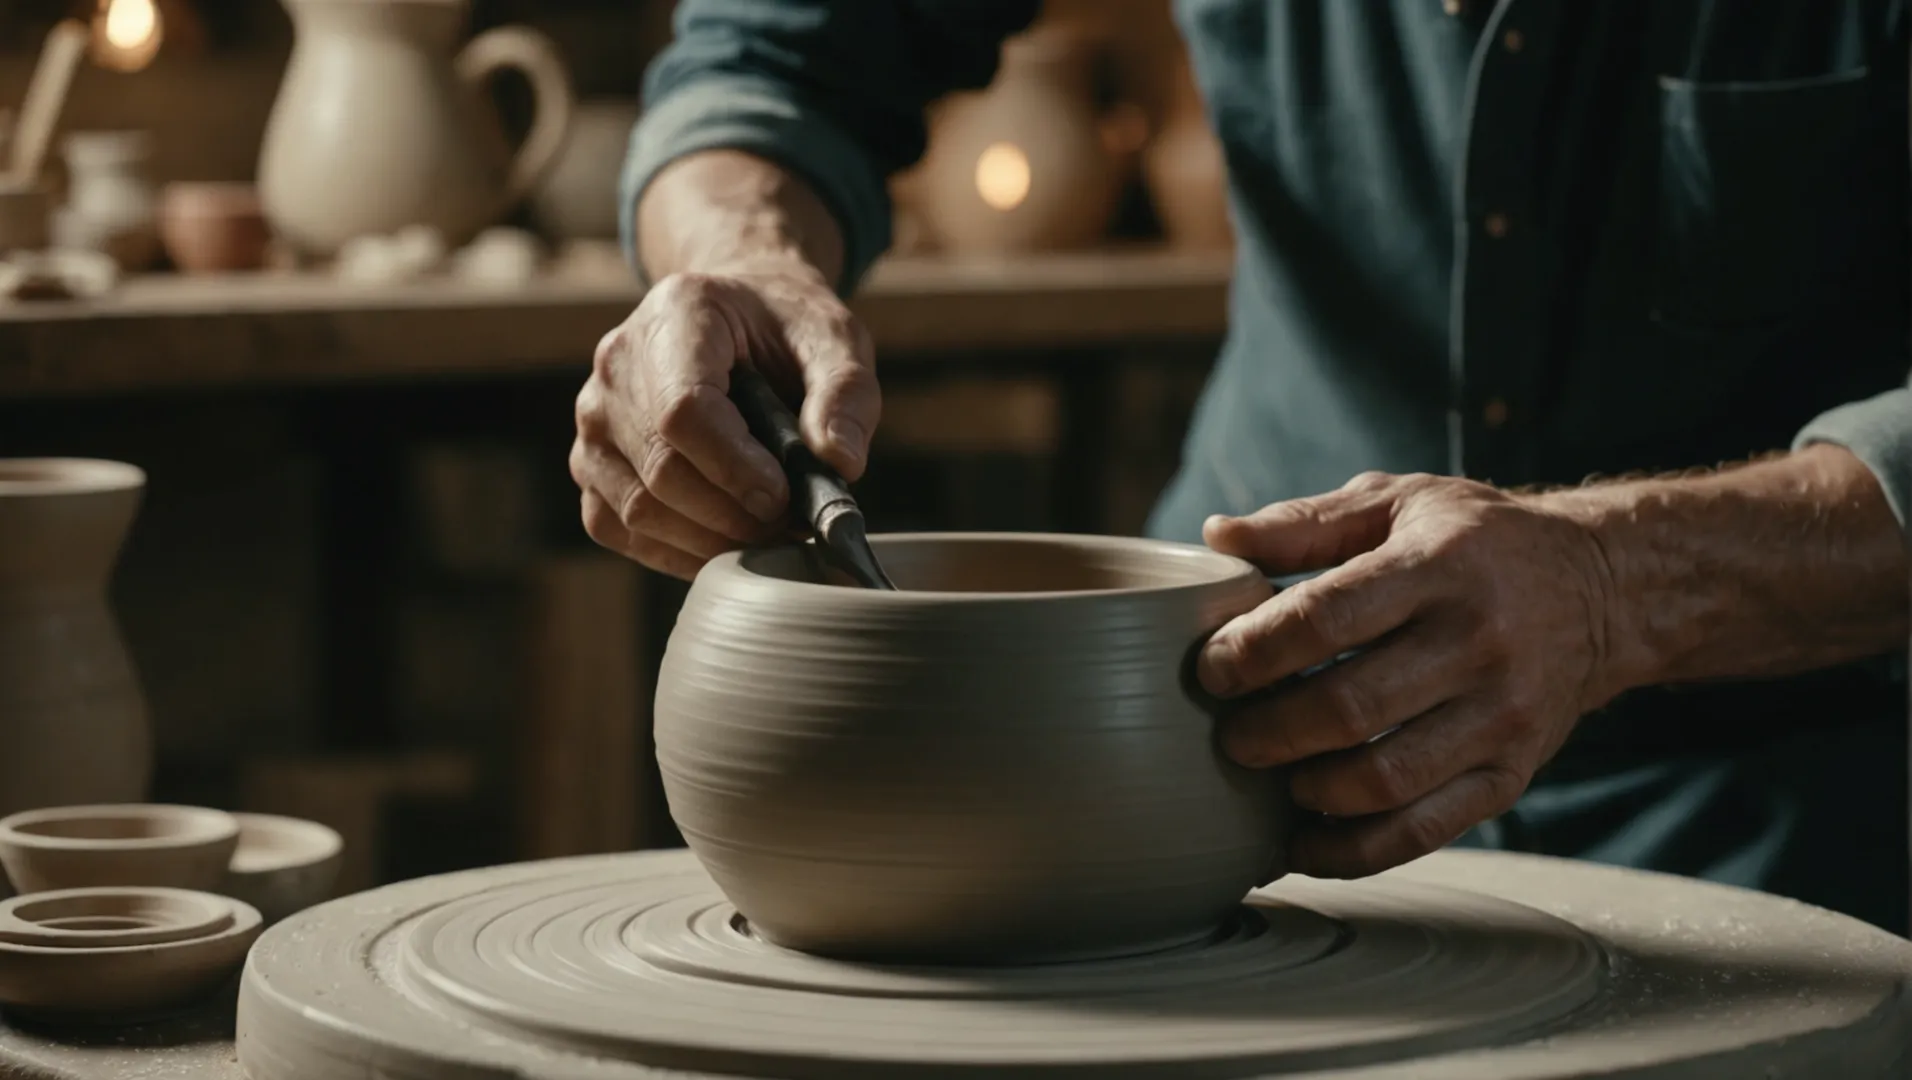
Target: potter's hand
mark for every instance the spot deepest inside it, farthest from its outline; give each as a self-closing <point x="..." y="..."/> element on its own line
<point x="1482" y="617"/>
<point x="670" y="473"/>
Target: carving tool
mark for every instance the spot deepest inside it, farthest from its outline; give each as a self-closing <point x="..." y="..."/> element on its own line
<point x="818" y="496"/>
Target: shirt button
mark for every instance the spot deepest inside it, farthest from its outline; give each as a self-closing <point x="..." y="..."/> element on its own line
<point x="1494" y="414"/>
<point x="1496" y="225"/>
<point x="1514" y="40"/>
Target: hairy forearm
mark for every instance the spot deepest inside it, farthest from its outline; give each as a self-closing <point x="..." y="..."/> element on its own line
<point x="724" y="211"/>
<point x="1775" y="567"/>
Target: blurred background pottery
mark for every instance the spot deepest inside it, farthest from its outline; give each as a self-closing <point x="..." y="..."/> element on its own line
<point x="1004" y="762"/>
<point x="1031" y="163"/>
<point x="212" y="228"/>
<point x="73" y="718"/>
<point x="282" y="864"/>
<point x="111" y="205"/>
<point x="382" y="122"/>
<point x="76" y="847"/>
<point x="578" y="200"/>
<point x="1186" y="173"/>
<point x="25" y="219"/>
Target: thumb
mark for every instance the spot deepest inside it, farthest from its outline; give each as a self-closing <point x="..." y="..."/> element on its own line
<point x="841" y="401"/>
<point x="1304" y="535"/>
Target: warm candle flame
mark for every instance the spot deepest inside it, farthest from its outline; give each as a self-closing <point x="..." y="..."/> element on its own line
<point x="1002" y="176"/>
<point x="127" y="33"/>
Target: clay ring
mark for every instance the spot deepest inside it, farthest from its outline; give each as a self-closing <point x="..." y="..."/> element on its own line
<point x="112" y="918"/>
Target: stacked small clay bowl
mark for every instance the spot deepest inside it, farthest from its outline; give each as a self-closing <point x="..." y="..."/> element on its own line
<point x="127" y="911"/>
<point x="1004" y="762"/>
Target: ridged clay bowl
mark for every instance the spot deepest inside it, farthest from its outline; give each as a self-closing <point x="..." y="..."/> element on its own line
<point x="119" y="953"/>
<point x="1007" y="761"/>
<point x="71" y="847"/>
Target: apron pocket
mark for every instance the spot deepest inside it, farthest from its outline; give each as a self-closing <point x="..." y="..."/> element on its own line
<point x="1749" y="185"/>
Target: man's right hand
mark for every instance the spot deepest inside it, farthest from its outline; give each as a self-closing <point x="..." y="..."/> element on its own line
<point x="670" y="474"/>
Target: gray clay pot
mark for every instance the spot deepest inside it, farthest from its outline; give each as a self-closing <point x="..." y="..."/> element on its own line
<point x="1003" y="763"/>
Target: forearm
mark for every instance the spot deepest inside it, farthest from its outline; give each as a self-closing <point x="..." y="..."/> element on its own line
<point x="721" y="211"/>
<point x="1776" y="567"/>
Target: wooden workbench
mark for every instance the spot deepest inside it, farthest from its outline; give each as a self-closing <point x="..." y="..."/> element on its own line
<point x="170" y="332"/>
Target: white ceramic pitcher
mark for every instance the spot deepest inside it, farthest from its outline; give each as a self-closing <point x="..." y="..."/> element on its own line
<point x="383" y="123"/>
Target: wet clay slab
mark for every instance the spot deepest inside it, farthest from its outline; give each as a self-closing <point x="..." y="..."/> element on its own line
<point x="1465" y="964"/>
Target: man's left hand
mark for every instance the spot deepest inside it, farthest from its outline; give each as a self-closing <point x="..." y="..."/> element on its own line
<point x="1481" y="621"/>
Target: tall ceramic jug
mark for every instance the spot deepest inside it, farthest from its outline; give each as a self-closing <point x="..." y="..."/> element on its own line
<point x="382" y="122"/>
<point x="73" y="723"/>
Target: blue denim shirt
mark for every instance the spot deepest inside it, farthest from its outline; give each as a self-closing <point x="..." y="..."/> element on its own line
<point x="1520" y="240"/>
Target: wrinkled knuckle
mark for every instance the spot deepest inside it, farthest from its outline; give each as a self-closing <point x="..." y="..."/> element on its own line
<point x="655" y="462"/>
<point x="579" y="461"/>
<point x="1496" y="628"/>
<point x="1350" y="711"/>
<point x="680" y="412"/>
<point x="1388" y="782"/>
<point x="610" y="349"/>
<point x="1371" y="480"/>
<point x="1505" y="786"/>
<point x="1425" y="833"/>
<point x="1321" y="613"/>
<point x="683" y="292"/>
<point x="601" y="523"/>
<point x="641" y="509"/>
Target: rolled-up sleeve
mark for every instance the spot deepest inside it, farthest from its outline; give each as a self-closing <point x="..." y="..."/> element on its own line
<point x="833" y="90"/>
<point x="1878" y="431"/>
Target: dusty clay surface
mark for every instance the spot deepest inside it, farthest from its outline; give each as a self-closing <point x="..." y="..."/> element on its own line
<point x="1462" y="965"/>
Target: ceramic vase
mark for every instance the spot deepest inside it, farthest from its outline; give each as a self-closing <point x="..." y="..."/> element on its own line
<point x="1187" y="175"/>
<point x="73" y="721"/>
<point x="383" y="122"/>
<point x="1005" y="762"/>
<point x="111" y="206"/>
<point x="1028" y="164"/>
<point x="578" y="200"/>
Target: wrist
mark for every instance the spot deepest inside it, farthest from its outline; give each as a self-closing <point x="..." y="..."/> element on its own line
<point x="1615" y="576"/>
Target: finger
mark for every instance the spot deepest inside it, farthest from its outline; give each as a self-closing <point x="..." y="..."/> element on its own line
<point x="1358" y="847"/>
<point x="1352" y="702"/>
<point x="1407" y="764"/>
<point x="639" y="510"/>
<point x="666" y="471"/>
<point x="842" y="403"/>
<point x="685" y="387"/>
<point x="604" y="526"/>
<point x="1315" y="621"/>
<point x="1314" y="533"/>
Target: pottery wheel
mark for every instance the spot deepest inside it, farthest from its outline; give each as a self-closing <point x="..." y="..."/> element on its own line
<point x="1488" y="965"/>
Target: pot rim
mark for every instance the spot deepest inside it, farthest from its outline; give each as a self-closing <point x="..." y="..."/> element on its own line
<point x="38" y="477"/>
<point x="198" y="827"/>
<point x="735" y="566"/>
<point x="313" y="843"/>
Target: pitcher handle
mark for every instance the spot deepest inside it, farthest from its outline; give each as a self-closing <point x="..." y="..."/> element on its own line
<point x="532" y="53"/>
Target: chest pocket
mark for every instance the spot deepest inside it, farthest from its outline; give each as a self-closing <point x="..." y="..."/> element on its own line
<point x="1750" y="198"/>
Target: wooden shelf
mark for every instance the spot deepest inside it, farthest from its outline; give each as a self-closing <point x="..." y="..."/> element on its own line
<point x="167" y="332"/>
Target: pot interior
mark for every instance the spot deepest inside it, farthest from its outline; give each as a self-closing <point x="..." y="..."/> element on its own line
<point x="108" y="826"/>
<point x="1010" y="564"/>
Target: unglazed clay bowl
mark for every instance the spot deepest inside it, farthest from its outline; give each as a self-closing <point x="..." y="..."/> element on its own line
<point x="119" y="954"/>
<point x="283" y="865"/>
<point x="73" y="847"/>
<point x="1006" y="761"/>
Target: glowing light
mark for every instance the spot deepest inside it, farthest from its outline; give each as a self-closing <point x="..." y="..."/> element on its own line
<point x="127" y="33"/>
<point x="130" y="22"/>
<point x="1002" y="176"/>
